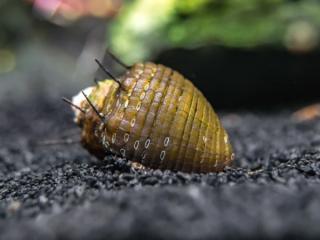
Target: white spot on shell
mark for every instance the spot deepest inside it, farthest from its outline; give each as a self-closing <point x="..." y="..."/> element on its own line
<point x="126" y="137"/>
<point x="204" y="138"/>
<point x="162" y="155"/>
<point x="147" y="143"/>
<point x="146" y="87"/>
<point x="138" y="106"/>
<point x="143" y="94"/>
<point x="144" y="155"/>
<point x="136" y="145"/>
<point x="133" y="122"/>
<point x="106" y="144"/>
<point x="123" y="152"/>
<point x="96" y="133"/>
<point x="166" y="141"/>
<point x="113" y="140"/>
<point x="126" y="103"/>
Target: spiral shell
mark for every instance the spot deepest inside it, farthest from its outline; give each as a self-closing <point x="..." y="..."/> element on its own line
<point x="155" y="117"/>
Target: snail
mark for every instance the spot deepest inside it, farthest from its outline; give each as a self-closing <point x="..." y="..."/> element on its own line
<point x="154" y="116"/>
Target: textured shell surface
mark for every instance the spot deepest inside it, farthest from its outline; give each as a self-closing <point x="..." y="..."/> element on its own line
<point x="157" y="118"/>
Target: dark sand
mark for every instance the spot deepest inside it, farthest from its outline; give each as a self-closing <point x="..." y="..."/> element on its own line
<point x="61" y="192"/>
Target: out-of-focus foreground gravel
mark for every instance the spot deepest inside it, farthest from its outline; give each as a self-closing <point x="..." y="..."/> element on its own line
<point x="61" y="192"/>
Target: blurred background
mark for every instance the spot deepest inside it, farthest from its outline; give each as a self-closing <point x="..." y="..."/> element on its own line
<point x="242" y="54"/>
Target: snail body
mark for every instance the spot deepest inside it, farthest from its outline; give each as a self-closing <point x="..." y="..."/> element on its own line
<point x="154" y="117"/>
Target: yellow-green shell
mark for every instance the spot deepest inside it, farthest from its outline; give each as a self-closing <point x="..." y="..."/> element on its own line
<point x="157" y="118"/>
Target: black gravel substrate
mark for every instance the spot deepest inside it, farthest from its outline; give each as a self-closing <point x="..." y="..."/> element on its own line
<point x="61" y="192"/>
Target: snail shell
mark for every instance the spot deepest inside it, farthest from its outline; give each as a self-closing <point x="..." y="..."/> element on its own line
<point x="157" y="118"/>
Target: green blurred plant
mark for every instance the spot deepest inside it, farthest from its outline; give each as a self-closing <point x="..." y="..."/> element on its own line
<point x="15" y="22"/>
<point x="15" y="27"/>
<point x="145" y="27"/>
